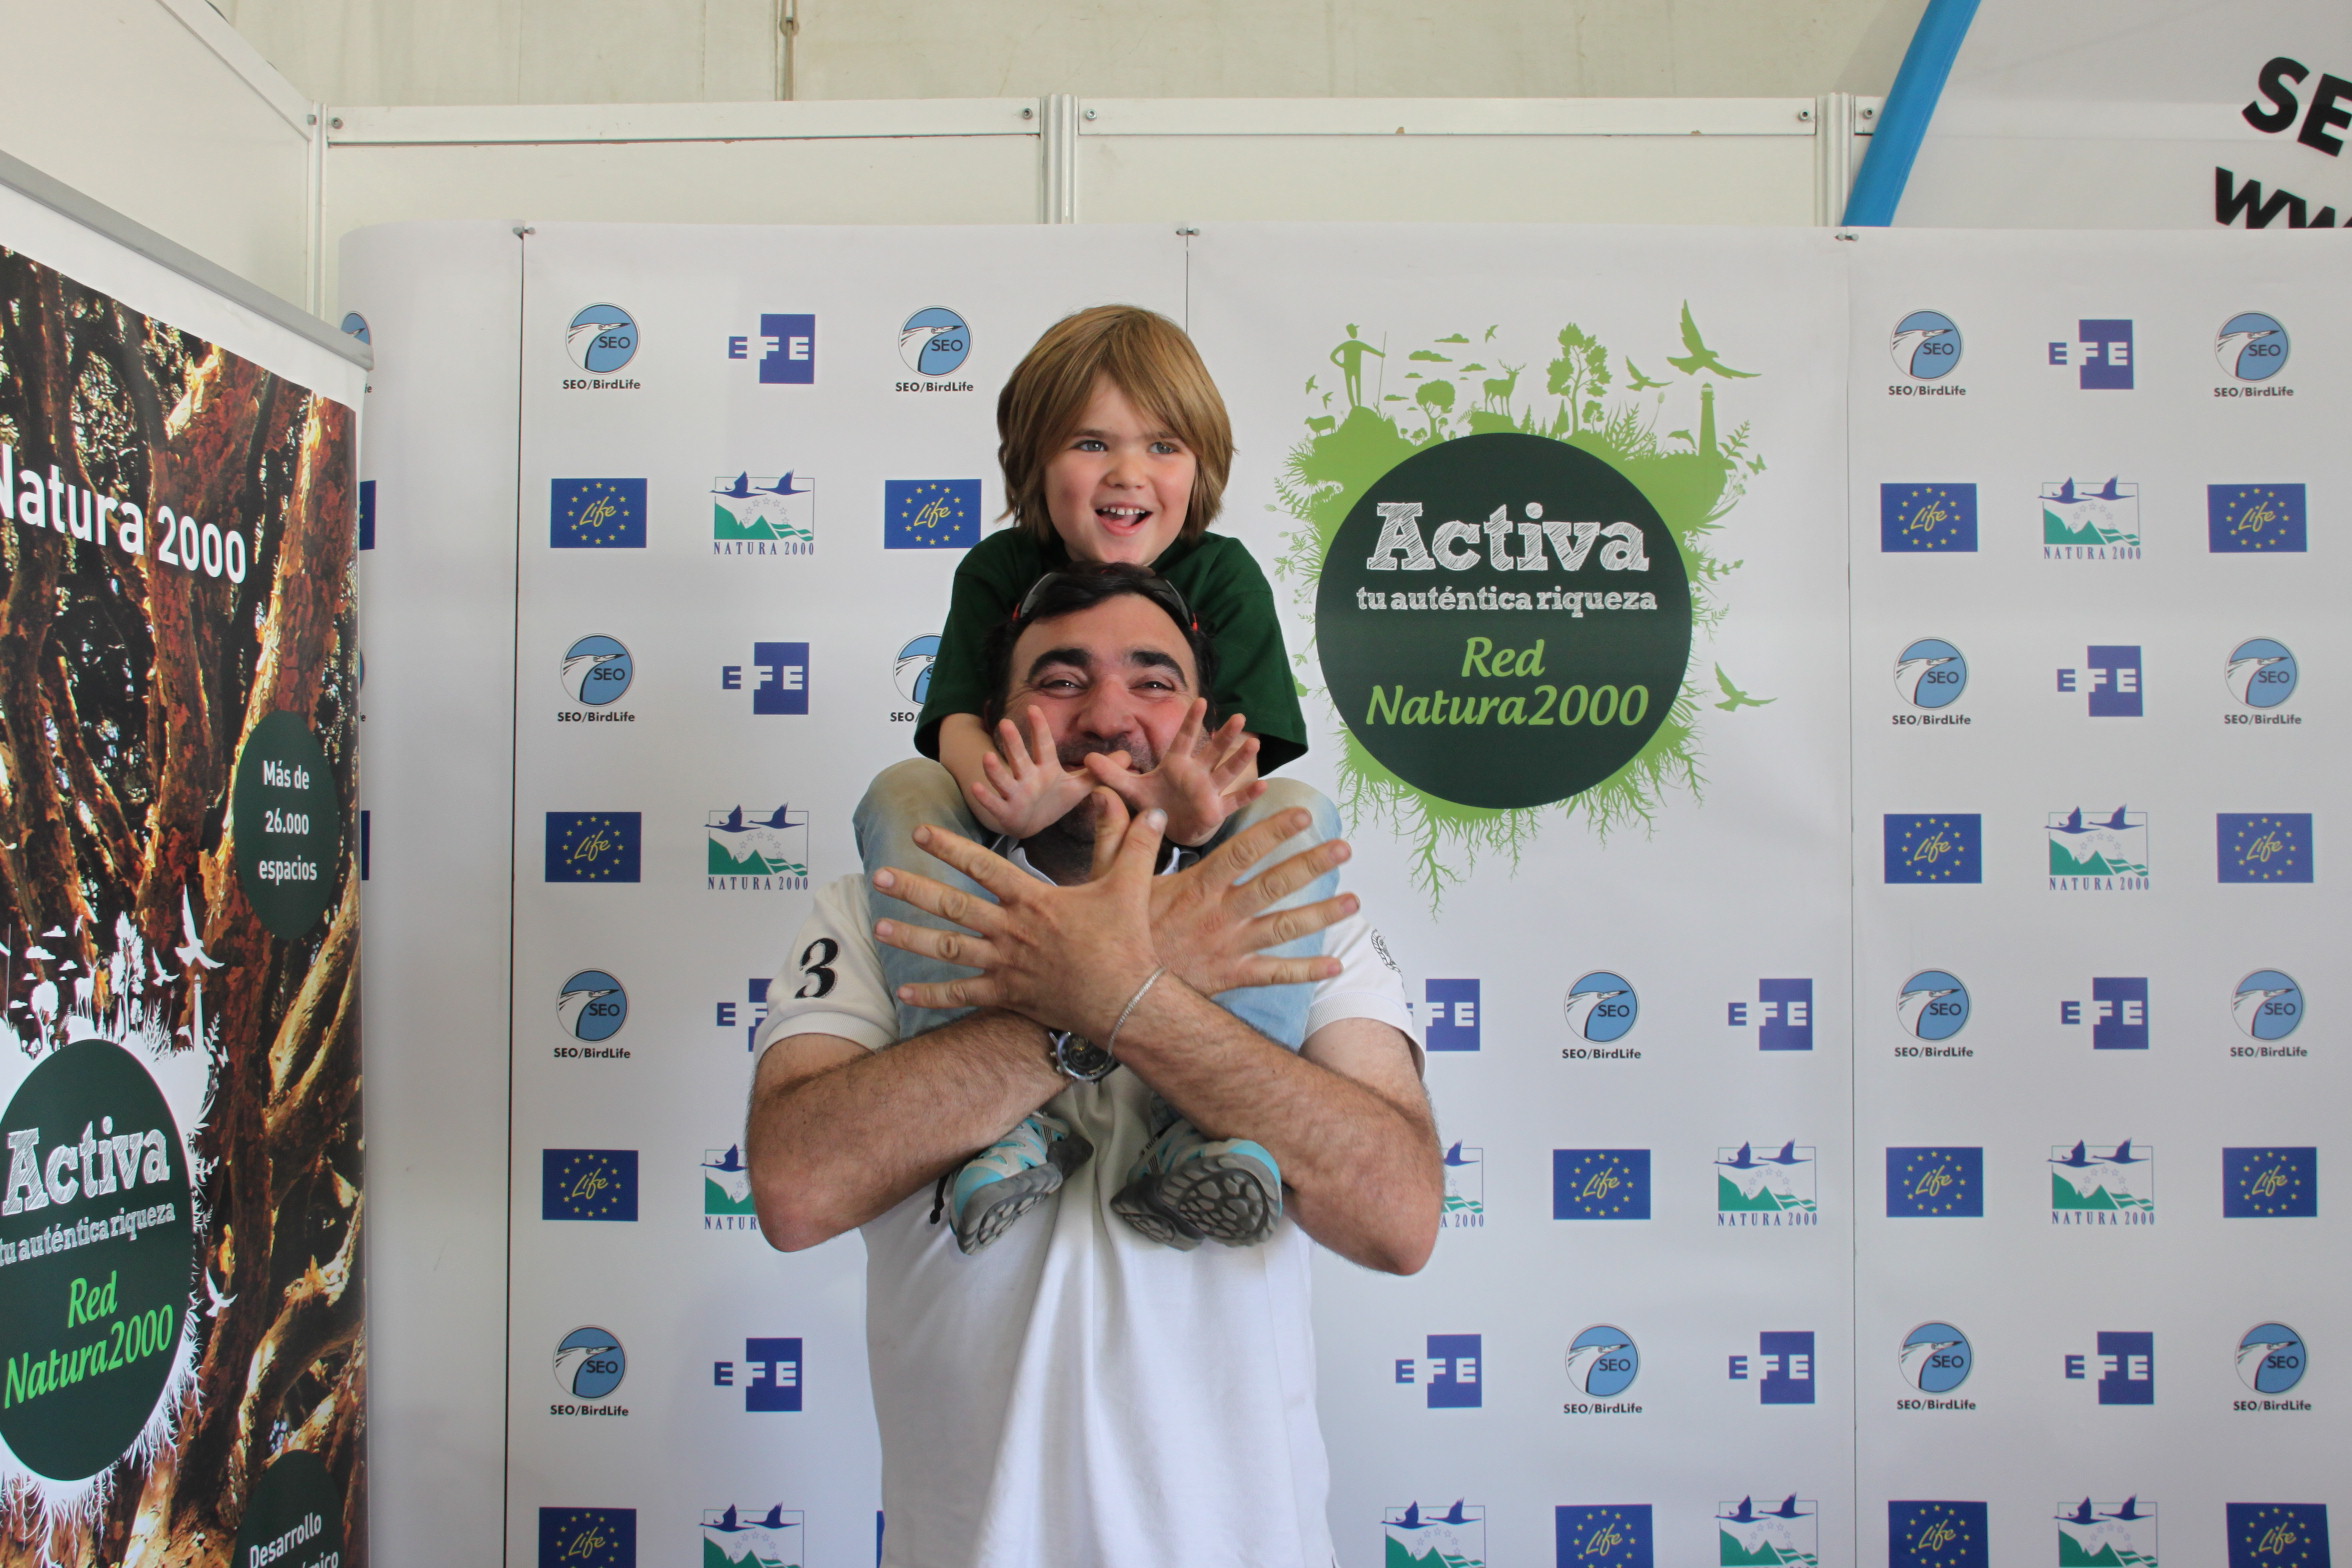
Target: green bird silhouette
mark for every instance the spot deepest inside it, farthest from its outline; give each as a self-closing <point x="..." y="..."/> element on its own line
<point x="1734" y="698"/>
<point x="1700" y="357"/>
<point x="1640" y="381"/>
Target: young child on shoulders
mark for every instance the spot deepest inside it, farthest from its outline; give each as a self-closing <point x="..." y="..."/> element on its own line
<point x="1115" y="446"/>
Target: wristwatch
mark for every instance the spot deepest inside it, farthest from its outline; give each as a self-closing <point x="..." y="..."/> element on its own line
<point x="1079" y="1059"/>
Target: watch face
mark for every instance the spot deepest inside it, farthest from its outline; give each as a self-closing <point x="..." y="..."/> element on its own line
<point x="1082" y="1059"/>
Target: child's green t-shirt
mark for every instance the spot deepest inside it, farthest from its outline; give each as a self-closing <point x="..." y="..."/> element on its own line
<point x="1218" y="579"/>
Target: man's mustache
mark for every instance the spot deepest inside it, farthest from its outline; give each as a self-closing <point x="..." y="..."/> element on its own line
<point x="1073" y="751"/>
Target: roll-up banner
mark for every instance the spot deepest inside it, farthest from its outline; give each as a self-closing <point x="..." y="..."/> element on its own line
<point x="181" y="1302"/>
<point x="1836" y="733"/>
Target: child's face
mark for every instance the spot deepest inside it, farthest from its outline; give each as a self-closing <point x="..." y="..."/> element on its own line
<point x="1117" y="489"/>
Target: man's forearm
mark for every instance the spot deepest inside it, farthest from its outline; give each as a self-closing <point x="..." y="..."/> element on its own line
<point x="830" y="1150"/>
<point x="1362" y="1163"/>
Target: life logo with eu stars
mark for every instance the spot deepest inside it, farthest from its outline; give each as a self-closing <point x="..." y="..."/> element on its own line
<point x="601" y="339"/>
<point x="1485" y="648"/>
<point x="2256" y="519"/>
<point x="2263" y="846"/>
<point x="1936" y="1534"/>
<point x="587" y="1538"/>
<point x="588" y="1184"/>
<point x="593" y="846"/>
<point x="1927" y="519"/>
<point x="930" y="514"/>
<point x="1934" y="847"/>
<point x="596" y="514"/>
<point x="2270" y="1183"/>
<point x="1600" y="1184"/>
<point x="1604" y="1535"/>
<point x="1926" y="345"/>
<point x="2278" y="1535"/>
<point x="1934" y="1183"/>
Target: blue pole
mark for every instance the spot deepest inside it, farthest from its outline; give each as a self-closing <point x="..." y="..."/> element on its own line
<point x="1910" y="104"/>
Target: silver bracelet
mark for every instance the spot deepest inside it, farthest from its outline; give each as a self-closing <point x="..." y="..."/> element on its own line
<point x="1151" y="980"/>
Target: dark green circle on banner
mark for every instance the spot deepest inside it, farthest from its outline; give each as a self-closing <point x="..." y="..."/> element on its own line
<point x="294" y="1517"/>
<point x="288" y="823"/>
<point x="1504" y="620"/>
<point x="97" y="1247"/>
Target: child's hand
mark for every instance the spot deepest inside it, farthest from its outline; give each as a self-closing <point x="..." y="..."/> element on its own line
<point x="1025" y="789"/>
<point x="1202" y="779"/>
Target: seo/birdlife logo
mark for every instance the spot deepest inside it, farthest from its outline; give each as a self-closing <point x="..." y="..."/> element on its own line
<point x="589" y="1366"/>
<point x="601" y="339"/>
<point x="1935" y="1358"/>
<point x="1781" y="1369"/>
<point x="2251" y="346"/>
<point x="1933" y="1006"/>
<point x="1930" y="674"/>
<point x="1450" y="1372"/>
<point x="1926" y="346"/>
<point x="934" y="344"/>
<point x="596" y="671"/>
<point x="592" y="1006"/>
<point x="1602" y="1362"/>
<point x="2272" y="1359"/>
<point x="1602" y="1007"/>
<point x="2268" y="1006"/>
<point x="2261" y="673"/>
<point x="2125" y="1365"/>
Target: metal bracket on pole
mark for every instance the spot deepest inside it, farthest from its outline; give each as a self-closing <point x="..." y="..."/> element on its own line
<point x="1057" y="159"/>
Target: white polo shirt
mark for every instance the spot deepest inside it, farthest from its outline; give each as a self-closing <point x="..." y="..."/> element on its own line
<point x="1075" y="1394"/>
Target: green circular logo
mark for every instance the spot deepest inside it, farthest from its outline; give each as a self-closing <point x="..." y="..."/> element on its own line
<point x="1504" y="620"/>
<point x="97" y="1246"/>
<point x="288" y="823"/>
<point x="294" y="1519"/>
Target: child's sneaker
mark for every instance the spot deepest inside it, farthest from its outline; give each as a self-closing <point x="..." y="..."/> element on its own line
<point x="1012" y="1176"/>
<point x="1184" y="1187"/>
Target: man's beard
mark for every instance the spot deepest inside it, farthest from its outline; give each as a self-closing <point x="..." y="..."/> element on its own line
<point x="1064" y="850"/>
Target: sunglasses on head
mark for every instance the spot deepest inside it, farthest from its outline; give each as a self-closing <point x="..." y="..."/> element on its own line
<point x="1157" y="589"/>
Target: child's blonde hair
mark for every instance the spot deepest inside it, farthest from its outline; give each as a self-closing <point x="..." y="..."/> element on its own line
<point x="1146" y="356"/>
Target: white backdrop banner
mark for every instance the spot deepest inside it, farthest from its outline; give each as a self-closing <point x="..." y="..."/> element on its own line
<point x="1831" y="887"/>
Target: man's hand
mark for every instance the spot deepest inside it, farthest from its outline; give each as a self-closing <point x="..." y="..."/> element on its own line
<point x="1203" y="777"/>
<point x="1210" y="928"/>
<point x="1024" y="788"/>
<point x="1067" y="957"/>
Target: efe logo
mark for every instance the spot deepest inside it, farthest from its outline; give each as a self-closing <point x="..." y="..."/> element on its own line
<point x="771" y="1374"/>
<point x="787" y="349"/>
<point x="2111" y="677"/>
<point x="780" y="677"/>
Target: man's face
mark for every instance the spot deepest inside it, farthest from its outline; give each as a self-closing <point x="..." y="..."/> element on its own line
<point x="1117" y="677"/>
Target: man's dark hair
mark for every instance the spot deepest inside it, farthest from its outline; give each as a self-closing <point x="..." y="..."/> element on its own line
<point x="1082" y="587"/>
